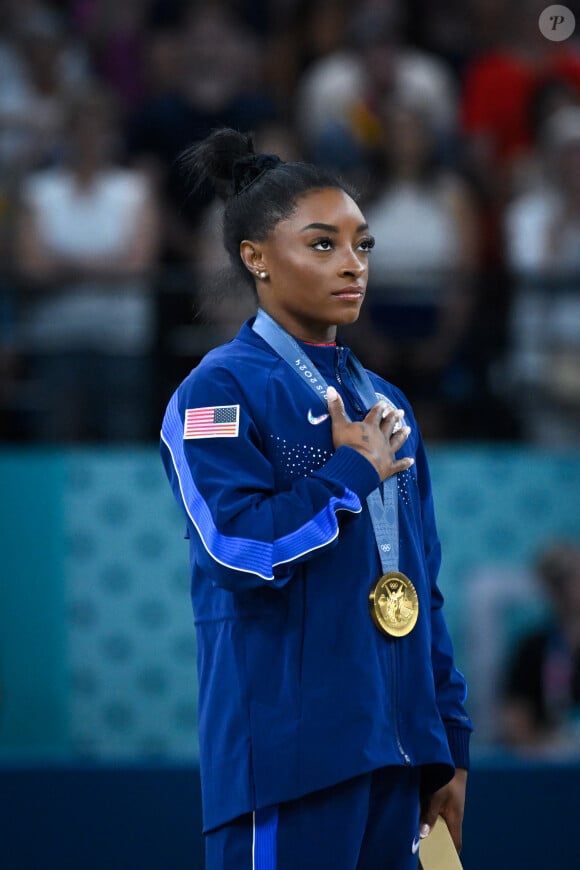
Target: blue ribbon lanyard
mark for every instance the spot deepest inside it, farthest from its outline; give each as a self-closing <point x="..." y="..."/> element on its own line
<point x="383" y="510"/>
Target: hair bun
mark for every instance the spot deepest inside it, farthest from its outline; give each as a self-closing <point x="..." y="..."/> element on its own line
<point x="212" y="160"/>
<point x="247" y="170"/>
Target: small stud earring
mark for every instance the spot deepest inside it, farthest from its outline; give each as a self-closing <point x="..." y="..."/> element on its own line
<point x="262" y="275"/>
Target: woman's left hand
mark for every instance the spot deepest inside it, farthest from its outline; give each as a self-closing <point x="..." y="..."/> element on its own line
<point x="448" y="802"/>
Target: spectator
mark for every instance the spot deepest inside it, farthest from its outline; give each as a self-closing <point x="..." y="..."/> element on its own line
<point x="40" y="70"/>
<point x="341" y="97"/>
<point x="453" y="29"/>
<point x="206" y="74"/>
<point x="301" y="33"/>
<point x="87" y="237"/>
<point x="496" y="111"/>
<point x="114" y="33"/>
<point x="543" y="250"/>
<point x="550" y="95"/>
<point x="204" y="71"/>
<point x="499" y="87"/>
<point x="422" y="280"/>
<point x="541" y="696"/>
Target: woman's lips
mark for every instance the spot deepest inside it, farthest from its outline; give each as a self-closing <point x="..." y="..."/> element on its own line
<point x="352" y="292"/>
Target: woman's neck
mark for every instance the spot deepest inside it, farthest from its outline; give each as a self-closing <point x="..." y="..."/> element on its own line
<point x="304" y="329"/>
<point x="319" y="343"/>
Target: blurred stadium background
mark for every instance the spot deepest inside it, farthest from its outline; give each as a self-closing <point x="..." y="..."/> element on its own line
<point x="459" y="123"/>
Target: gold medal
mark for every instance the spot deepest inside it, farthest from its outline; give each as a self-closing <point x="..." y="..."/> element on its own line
<point x="394" y="604"/>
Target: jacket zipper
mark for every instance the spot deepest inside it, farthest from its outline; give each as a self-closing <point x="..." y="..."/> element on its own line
<point x="352" y="393"/>
<point x="400" y="747"/>
<point x="339" y="353"/>
<point x="394" y="660"/>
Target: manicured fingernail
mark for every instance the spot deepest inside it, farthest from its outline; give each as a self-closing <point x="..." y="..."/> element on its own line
<point x="411" y="461"/>
<point x="407" y="430"/>
<point x="331" y="394"/>
<point x="424" y="831"/>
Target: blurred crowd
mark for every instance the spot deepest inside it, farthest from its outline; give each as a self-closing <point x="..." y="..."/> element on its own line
<point x="539" y="710"/>
<point x="458" y="123"/>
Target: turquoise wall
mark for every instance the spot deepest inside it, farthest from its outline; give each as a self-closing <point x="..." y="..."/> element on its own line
<point x="497" y="506"/>
<point x="97" y="652"/>
<point x="33" y="623"/>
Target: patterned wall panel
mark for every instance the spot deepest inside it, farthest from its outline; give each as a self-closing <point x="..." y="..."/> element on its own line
<point x="498" y="506"/>
<point x="131" y="637"/>
<point x="123" y="570"/>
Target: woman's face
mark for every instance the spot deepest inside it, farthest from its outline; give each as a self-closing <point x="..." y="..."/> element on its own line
<point x="317" y="265"/>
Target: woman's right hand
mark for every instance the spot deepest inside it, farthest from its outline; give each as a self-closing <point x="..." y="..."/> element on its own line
<point x="374" y="437"/>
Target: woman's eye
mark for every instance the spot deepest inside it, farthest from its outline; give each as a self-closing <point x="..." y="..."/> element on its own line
<point x="322" y="245"/>
<point x="367" y="244"/>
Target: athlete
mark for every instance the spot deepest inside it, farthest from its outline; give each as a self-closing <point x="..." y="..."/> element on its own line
<point x="331" y="716"/>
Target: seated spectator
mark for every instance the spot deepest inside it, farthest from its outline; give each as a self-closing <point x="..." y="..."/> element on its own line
<point x="114" y="33"/>
<point x="551" y="94"/>
<point x="543" y="250"/>
<point x="194" y="86"/>
<point x="421" y="290"/>
<point x="40" y="68"/>
<point x="86" y="240"/>
<point x="499" y="87"/>
<point x="541" y="697"/>
<point x="341" y="96"/>
<point x="297" y="34"/>
<point x="203" y="71"/>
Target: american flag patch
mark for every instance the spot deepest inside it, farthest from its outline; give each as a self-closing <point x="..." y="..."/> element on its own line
<point x="220" y="422"/>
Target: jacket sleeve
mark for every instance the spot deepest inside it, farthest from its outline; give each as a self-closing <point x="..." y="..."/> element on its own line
<point x="247" y="533"/>
<point x="450" y="686"/>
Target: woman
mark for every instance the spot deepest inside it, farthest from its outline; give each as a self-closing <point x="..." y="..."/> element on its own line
<point x="541" y="692"/>
<point x="87" y="240"/>
<point x="542" y="234"/>
<point x="329" y="703"/>
<point x="419" y="323"/>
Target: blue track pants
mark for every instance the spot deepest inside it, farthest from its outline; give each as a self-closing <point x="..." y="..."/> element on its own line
<point x="370" y="822"/>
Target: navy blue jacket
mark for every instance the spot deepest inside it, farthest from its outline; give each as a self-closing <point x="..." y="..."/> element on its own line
<point x="298" y="689"/>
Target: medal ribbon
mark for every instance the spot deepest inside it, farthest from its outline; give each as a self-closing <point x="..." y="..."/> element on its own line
<point x="383" y="510"/>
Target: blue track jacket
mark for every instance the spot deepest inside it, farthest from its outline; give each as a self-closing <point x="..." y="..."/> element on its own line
<point x="298" y="689"/>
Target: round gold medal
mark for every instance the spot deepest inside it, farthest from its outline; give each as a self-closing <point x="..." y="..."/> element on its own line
<point x="394" y="604"/>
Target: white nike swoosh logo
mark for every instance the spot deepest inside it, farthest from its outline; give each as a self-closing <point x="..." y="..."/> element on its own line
<point x="316" y="420"/>
<point x="415" y="845"/>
